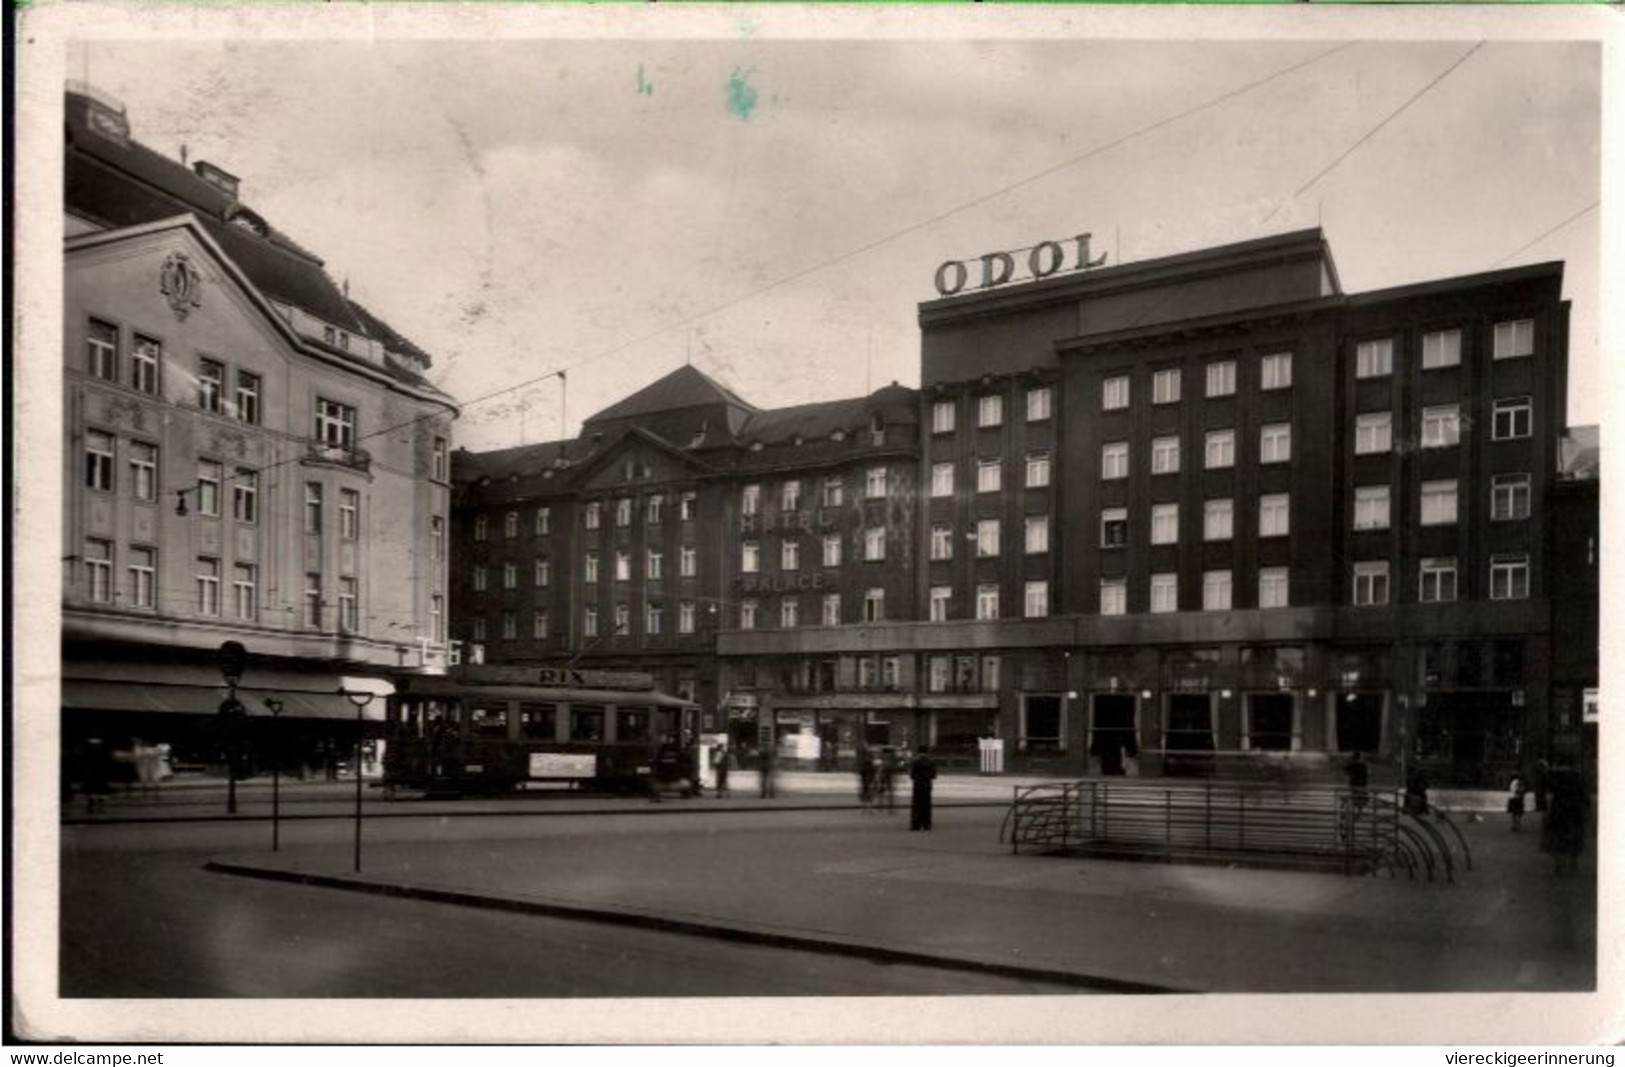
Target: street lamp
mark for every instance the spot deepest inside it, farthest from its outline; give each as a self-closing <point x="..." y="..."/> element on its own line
<point x="360" y="700"/>
<point x="233" y="661"/>
<point x="276" y="772"/>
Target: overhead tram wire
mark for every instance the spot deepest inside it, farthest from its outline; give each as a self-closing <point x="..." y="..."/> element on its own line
<point x="1571" y="219"/>
<point x="878" y="242"/>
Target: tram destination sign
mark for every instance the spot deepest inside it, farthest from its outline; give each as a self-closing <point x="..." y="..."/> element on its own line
<point x="555" y="677"/>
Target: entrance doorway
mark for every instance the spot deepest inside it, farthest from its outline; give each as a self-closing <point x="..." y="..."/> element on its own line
<point x="1270" y="726"/>
<point x="1190" y="723"/>
<point x="1112" y="737"/>
<point x="1359" y="722"/>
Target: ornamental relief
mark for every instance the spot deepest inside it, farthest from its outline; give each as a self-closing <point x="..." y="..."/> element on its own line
<point x="181" y="283"/>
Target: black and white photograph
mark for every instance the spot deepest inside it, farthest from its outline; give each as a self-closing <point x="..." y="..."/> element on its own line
<point x="810" y="525"/>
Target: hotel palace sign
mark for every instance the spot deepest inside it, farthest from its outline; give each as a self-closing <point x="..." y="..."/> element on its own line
<point x="1000" y="268"/>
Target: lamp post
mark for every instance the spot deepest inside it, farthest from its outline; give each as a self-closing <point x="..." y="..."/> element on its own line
<point x="276" y="772"/>
<point x="360" y="700"/>
<point x="233" y="660"/>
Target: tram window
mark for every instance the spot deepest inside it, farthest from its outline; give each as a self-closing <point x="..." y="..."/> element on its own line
<point x="536" y="721"/>
<point x="586" y="724"/>
<point x="632" y="725"/>
<point x="488" y="720"/>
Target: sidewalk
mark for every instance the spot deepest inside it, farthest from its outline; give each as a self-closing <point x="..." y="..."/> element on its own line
<point x="860" y="884"/>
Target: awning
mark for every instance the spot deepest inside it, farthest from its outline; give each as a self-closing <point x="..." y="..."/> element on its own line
<point x="205" y="700"/>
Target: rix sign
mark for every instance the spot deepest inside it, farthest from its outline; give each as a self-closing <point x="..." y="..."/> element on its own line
<point x="998" y="268"/>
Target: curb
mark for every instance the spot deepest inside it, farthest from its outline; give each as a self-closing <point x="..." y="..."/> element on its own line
<point x="693" y="928"/>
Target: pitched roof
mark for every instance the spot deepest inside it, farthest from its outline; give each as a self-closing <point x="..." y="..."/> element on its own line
<point x="685" y="387"/>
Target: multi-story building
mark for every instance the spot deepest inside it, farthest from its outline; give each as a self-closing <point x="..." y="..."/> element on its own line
<point x="250" y="456"/>
<point x="1161" y="517"/>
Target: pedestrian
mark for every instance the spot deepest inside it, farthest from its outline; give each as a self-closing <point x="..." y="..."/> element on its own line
<point x="720" y="764"/>
<point x="866" y="780"/>
<point x="98" y="773"/>
<point x="1359" y="776"/>
<point x="691" y="768"/>
<point x="766" y="784"/>
<point x="1563" y="832"/>
<point x="1538" y="783"/>
<point x="889" y="766"/>
<point x="146" y="767"/>
<point x="922" y="772"/>
<point x="1515" y="792"/>
<point x="1416" y="792"/>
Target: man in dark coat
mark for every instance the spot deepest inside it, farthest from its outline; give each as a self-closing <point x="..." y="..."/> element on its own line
<point x="922" y="772"/>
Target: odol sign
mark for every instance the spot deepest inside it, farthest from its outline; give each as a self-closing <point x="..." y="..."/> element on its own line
<point x="998" y="268"/>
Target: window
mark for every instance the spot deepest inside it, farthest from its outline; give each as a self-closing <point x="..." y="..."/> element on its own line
<point x="939" y="674"/>
<point x="1513" y="339"/>
<point x="101" y="356"/>
<point x="1037" y="533"/>
<point x="654" y="619"/>
<point x="591" y="516"/>
<point x="335" y="423"/>
<point x="211" y="384"/>
<point x="1215" y="590"/>
<point x="479" y="628"/>
<point x="442" y="465"/>
<point x="1221" y="449"/>
<point x="144" y="470"/>
<point x="1509" y="577"/>
<point x="208" y="585"/>
<point x="510" y="525"/>
<point x="1165" y="455"/>
<point x="1274" y="515"/>
<point x="1438" y="584"/>
<point x="1441" y="426"/>
<point x="1511" y="419"/>
<point x="1114" y="460"/>
<point x="1275" y="371"/>
<point x="1272" y="587"/>
<point x="1439" y="503"/>
<point x="437" y="537"/>
<point x="589" y="566"/>
<point x="623" y="512"/>
<point x="542" y="573"/>
<point x="1218" y="520"/>
<point x="988" y="471"/>
<point x="99" y="461"/>
<point x="685" y="617"/>
<point x="244" y="586"/>
<point x="874" y="483"/>
<point x="623" y="621"/>
<point x="789" y="556"/>
<point x="750" y="557"/>
<point x="479" y="578"/>
<point x="209" y="475"/>
<point x="874" y="605"/>
<point x="1113" y="596"/>
<point x="1275" y="443"/>
<point x="1036" y="600"/>
<point x="481" y="524"/>
<point x="542" y="525"/>
<point x="437" y="619"/>
<point x="987" y="600"/>
<point x="790" y="495"/>
<point x="942" y="416"/>
<point x="1509" y="497"/>
<point x="1113" y="527"/>
<point x="145" y="359"/>
<point x="832" y="609"/>
<point x="941" y="596"/>
<point x="538" y="625"/>
<point x="832" y="550"/>
<point x="99" y="570"/>
<point x="510" y="575"/>
<point x="143" y="570"/>
<point x="1371" y="583"/>
<point x="1374" y="359"/>
<point x="942" y="479"/>
<point x="1038" y="404"/>
<point x="1165" y="386"/>
<point x="653" y="510"/>
<point x="874" y="543"/>
<point x="789" y="612"/>
<point x="1373" y="433"/>
<point x="750" y="500"/>
<point x="349" y="609"/>
<point x="1221" y="378"/>
<point x="1114" y="393"/>
<point x="1165" y="524"/>
<point x="654" y="565"/>
<point x="1164" y="593"/>
<point x="989" y="410"/>
<point x="688" y="507"/>
<point x="313" y="507"/>
<point x="349" y="514"/>
<point x="313" y="601"/>
<point x="1371" y="507"/>
<point x="623" y="565"/>
<point x="688" y="561"/>
<point x="987" y="537"/>
<point x="942" y="541"/>
<point x="1441" y="349"/>
<point x="589" y="623"/>
<point x="1037" y="470"/>
<point x="834" y="492"/>
<point x="245" y="494"/>
<point x="248" y="397"/>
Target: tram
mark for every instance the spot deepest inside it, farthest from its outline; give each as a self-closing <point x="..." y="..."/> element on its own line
<point x="493" y="729"/>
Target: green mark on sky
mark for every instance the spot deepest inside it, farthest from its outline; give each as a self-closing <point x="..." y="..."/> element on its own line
<point x="741" y="96"/>
<point x="645" y="87"/>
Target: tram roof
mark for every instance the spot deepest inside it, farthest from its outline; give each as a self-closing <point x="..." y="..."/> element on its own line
<point x="429" y="686"/>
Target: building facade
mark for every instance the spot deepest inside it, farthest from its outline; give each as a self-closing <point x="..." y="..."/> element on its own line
<point x="1195" y="514"/>
<point x="250" y="456"/>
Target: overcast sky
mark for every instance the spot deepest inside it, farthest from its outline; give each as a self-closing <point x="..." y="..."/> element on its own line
<point x="775" y="210"/>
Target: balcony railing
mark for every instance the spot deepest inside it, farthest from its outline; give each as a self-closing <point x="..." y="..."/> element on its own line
<point x="338" y="455"/>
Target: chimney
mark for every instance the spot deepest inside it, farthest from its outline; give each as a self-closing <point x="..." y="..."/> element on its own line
<point x="223" y="180"/>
